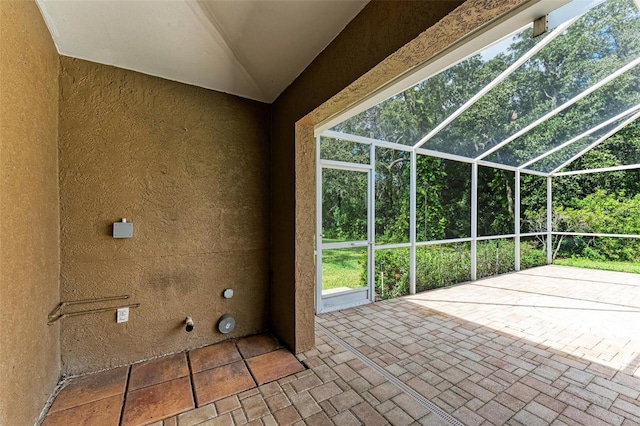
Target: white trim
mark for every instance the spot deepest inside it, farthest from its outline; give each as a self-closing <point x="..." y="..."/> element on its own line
<point x="549" y="220"/>
<point x="516" y="220"/>
<point x="474" y="221"/>
<point x="591" y="234"/>
<point x="318" y="228"/>
<point x="562" y="107"/>
<point x="502" y="76"/>
<point x="365" y="140"/>
<point x="468" y="160"/>
<point x="444" y="155"/>
<point x="371" y="226"/>
<point x="532" y="234"/>
<point x="349" y="296"/>
<point x="496" y="237"/>
<point x="496" y="165"/>
<point x="412" y="222"/>
<point x="392" y="246"/>
<point x="580" y="136"/>
<point x="448" y="241"/>
<point x="353" y="297"/>
<point x="598" y="142"/>
<point x="603" y="169"/>
<point x="487" y="35"/>
<point x="573" y="9"/>
<point x="349" y="137"/>
<point x="343" y="165"/>
<point x="534" y="172"/>
<point x="469" y="239"/>
<point x="344" y="245"/>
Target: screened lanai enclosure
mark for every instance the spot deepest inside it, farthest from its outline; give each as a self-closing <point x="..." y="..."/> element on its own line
<point x="498" y="156"/>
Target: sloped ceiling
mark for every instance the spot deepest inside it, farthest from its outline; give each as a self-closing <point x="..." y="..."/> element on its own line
<point x="250" y="48"/>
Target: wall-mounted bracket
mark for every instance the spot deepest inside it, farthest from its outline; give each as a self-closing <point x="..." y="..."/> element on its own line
<point x="540" y="26"/>
<point x="57" y="313"/>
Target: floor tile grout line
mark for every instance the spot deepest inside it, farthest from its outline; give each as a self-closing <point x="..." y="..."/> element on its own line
<point x="244" y="361"/>
<point x="193" y="388"/>
<point x="433" y="408"/>
<point x="124" y="395"/>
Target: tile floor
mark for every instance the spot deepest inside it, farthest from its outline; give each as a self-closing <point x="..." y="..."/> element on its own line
<point x="551" y="345"/>
<point x="185" y="388"/>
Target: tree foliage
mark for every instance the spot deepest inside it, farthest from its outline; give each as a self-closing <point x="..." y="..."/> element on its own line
<point x="599" y="43"/>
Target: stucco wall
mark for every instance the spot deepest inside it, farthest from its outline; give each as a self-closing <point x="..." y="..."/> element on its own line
<point x="29" y="248"/>
<point x="189" y="168"/>
<point x="350" y="69"/>
<point x="379" y="30"/>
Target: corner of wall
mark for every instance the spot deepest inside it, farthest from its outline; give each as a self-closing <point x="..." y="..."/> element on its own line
<point x="29" y="230"/>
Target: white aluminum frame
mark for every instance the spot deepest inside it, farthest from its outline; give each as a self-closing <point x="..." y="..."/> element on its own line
<point x="407" y="81"/>
<point x="499" y="79"/>
<point x="511" y="23"/>
<point x="562" y="107"/>
<point x="549" y="220"/>
<point x="580" y="136"/>
<point x="592" y="234"/>
<point x="597" y="142"/>
<point x="516" y="220"/>
<point x="351" y="297"/>
<point x="600" y="170"/>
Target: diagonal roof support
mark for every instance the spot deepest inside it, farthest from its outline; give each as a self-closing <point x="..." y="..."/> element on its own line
<point x="600" y="170"/>
<point x="562" y="107"/>
<point x="506" y="73"/>
<point x="612" y="132"/>
<point x="583" y="135"/>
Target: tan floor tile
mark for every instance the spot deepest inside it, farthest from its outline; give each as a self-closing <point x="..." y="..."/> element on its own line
<point x="221" y="382"/>
<point x="273" y="366"/>
<point x="157" y="402"/>
<point x="104" y="412"/>
<point x="213" y="356"/>
<point x="257" y="345"/>
<point x="91" y="388"/>
<point x="158" y="370"/>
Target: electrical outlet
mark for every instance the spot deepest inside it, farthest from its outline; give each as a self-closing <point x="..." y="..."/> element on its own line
<point x="123" y="315"/>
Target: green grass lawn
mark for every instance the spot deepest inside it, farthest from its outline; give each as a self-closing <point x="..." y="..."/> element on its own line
<point x="633" y="267"/>
<point x="343" y="267"/>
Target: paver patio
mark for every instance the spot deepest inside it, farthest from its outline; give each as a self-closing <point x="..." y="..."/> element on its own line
<point x="550" y="345"/>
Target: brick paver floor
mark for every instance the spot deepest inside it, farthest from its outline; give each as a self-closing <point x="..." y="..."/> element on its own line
<point x="551" y="345"/>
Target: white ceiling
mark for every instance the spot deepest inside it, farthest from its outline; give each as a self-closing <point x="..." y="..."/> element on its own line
<point x="250" y="48"/>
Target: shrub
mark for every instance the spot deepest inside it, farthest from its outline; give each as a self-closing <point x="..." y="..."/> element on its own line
<point x="448" y="264"/>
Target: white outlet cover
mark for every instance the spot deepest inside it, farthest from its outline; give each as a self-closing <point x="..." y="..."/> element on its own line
<point x="123" y="315"/>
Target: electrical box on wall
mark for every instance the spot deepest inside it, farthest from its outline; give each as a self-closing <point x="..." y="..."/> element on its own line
<point x="123" y="229"/>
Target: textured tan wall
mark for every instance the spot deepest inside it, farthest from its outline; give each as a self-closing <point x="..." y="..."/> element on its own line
<point x="189" y="168"/>
<point x="29" y="248"/>
<point x="343" y="75"/>
<point x="380" y="29"/>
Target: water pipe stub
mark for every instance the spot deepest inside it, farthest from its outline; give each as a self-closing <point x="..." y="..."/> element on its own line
<point x="189" y="324"/>
<point x="226" y="324"/>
